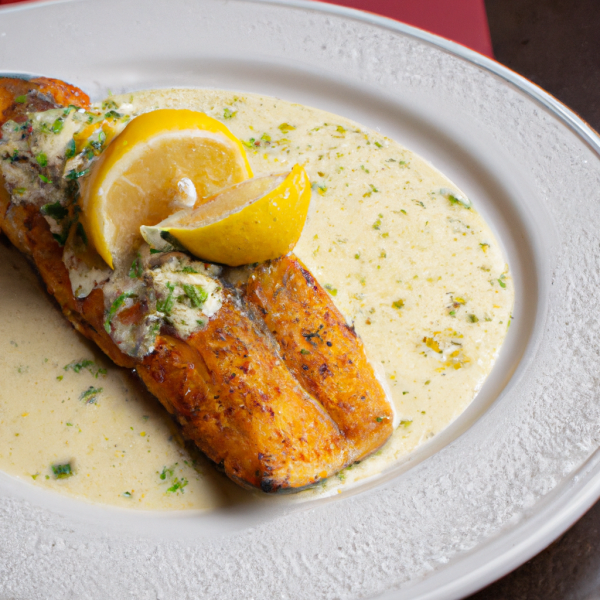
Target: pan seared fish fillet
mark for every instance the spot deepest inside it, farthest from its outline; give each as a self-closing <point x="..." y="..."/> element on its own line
<point x="322" y="351"/>
<point x="274" y="417"/>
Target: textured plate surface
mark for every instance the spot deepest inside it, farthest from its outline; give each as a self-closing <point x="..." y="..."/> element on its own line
<point x="515" y="470"/>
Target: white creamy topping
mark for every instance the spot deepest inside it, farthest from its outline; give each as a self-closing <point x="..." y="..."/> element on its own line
<point x="186" y="298"/>
<point x="84" y="278"/>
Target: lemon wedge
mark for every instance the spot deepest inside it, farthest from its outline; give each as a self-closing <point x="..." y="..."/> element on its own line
<point x="137" y="179"/>
<point x="253" y="221"/>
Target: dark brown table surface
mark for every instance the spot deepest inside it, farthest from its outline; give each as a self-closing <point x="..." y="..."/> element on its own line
<point x="556" y="44"/>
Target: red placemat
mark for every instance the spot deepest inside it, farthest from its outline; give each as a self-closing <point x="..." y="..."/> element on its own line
<point x="463" y="21"/>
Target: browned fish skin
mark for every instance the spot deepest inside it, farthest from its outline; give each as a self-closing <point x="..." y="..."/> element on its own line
<point x="322" y="351"/>
<point x="242" y="406"/>
<point x="40" y="93"/>
<point x="233" y="394"/>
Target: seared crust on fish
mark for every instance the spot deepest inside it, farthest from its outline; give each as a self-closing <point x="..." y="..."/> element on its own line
<point x="276" y="387"/>
<point x="322" y="351"/>
<point x="237" y="400"/>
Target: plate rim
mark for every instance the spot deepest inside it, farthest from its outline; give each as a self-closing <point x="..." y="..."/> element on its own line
<point x="588" y="492"/>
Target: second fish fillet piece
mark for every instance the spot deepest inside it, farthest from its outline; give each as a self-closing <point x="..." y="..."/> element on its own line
<point x="323" y="352"/>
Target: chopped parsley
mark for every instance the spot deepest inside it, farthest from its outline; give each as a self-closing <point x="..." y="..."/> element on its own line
<point x="81" y="233"/>
<point x="21" y="99"/>
<point x="41" y="159"/>
<point x="55" y="210"/>
<point x="112" y="114"/>
<point x="86" y="363"/>
<point x="372" y="190"/>
<point x="89" y="395"/>
<point x="71" y="149"/>
<point x="188" y="270"/>
<point x="72" y="175"/>
<point x="43" y="178"/>
<point x="196" y="293"/>
<point x="167" y="472"/>
<point x="331" y="289"/>
<point x="398" y="304"/>
<point x="62" y="471"/>
<point x="114" y="307"/>
<point x="136" y="269"/>
<point x="57" y="126"/>
<point x="166" y="306"/>
<point x="229" y="114"/>
<point x="178" y="485"/>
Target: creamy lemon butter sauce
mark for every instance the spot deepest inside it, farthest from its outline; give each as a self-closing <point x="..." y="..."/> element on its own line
<point x="402" y="252"/>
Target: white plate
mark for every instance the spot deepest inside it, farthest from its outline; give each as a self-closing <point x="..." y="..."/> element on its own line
<point x="513" y="472"/>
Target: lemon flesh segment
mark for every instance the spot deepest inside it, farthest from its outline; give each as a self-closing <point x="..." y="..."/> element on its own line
<point x="253" y="221"/>
<point x="135" y="180"/>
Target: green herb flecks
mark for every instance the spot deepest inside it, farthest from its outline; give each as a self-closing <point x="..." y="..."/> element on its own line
<point x="96" y="145"/>
<point x="114" y="307"/>
<point x="229" y="114"/>
<point x="196" y="293"/>
<point x="178" y="485"/>
<point x="71" y="149"/>
<point x="136" y="270"/>
<point x="166" y="306"/>
<point x="188" y="270"/>
<point x="43" y="178"/>
<point x="78" y="365"/>
<point x="455" y="199"/>
<point x="321" y="188"/>
<point x="58" y="125"/>
<point x="167" y="472"/>
<point x="55" y="210"/>
<point x="372" y="190"/>
<point x="62" y="471"/>
<point x="70" y="109"/>
<point x="89" y="396"/>
<point x="398" y="304"/>
<point x="473" y="319"/>
<point x="72" y="175"/>
<point x="41" y="159"/>
<point x="21" y="99"/>
<point x="331" y="289"/>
